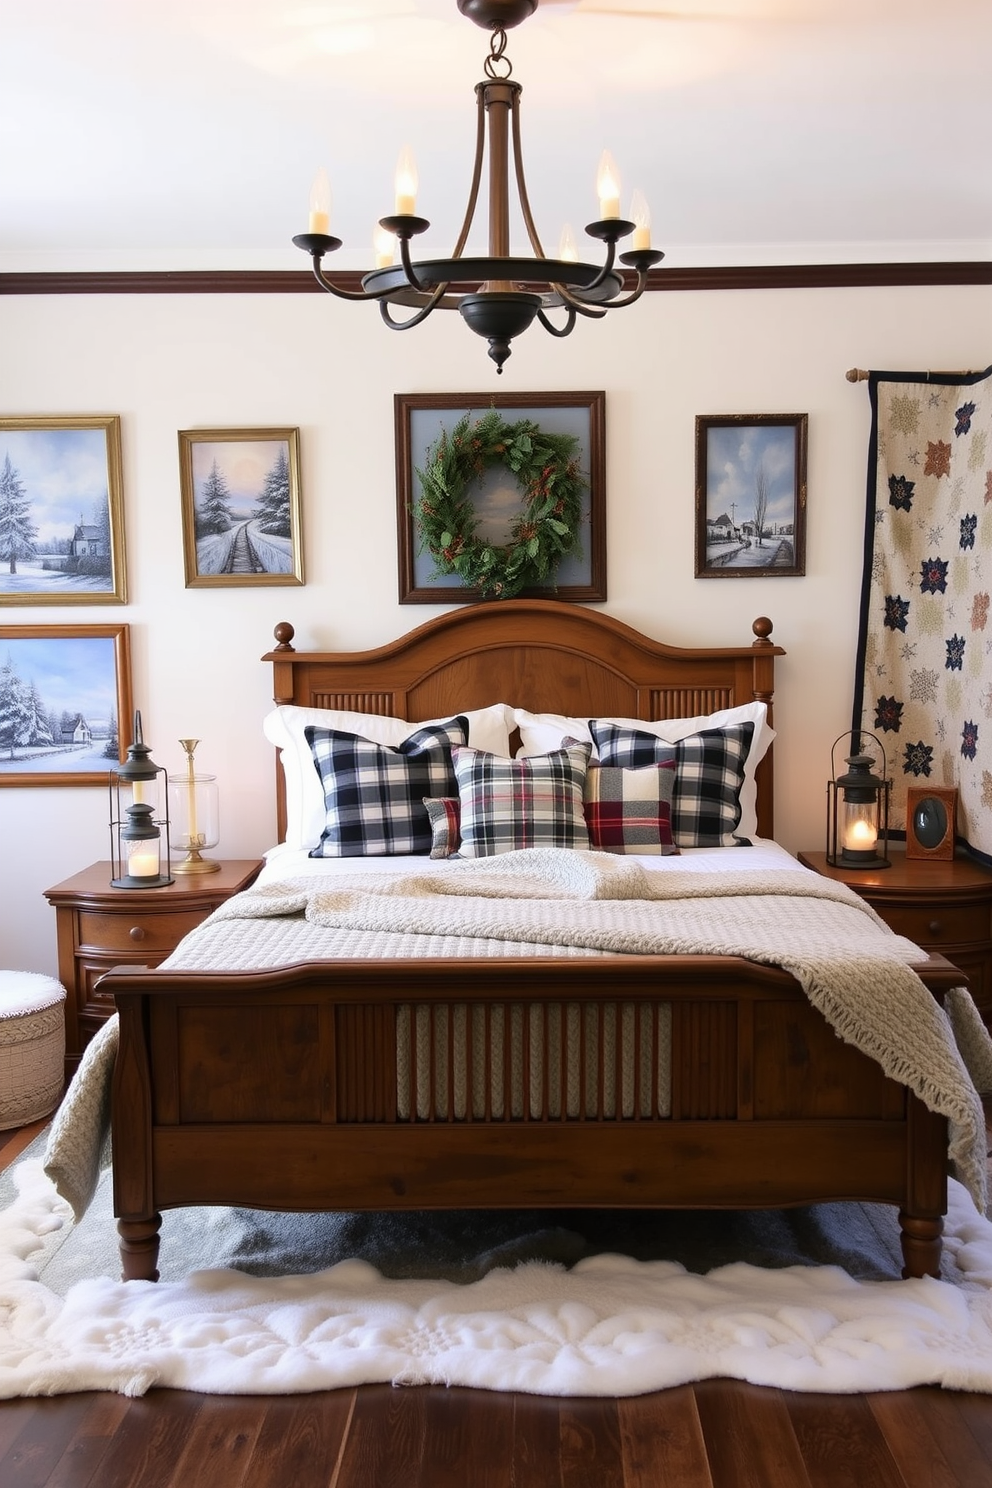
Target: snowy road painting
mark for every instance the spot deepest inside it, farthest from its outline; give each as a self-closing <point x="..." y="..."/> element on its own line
<point x="61" y="524"/>
<point x="241" y="506"/>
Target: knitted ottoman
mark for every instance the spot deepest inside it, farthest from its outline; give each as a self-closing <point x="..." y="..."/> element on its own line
<point x="32" y="1046"/>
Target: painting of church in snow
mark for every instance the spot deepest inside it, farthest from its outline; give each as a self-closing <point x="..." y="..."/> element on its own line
<point x="241" y="506"/>
<point x="61" y="523"/>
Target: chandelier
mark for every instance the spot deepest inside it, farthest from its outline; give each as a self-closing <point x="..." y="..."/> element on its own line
<point x="498" y="296"/>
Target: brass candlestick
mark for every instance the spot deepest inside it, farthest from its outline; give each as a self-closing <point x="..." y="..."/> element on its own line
<point x="194" y="862"/>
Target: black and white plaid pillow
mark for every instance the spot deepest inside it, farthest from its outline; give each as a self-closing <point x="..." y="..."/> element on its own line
<point x="509" y="804"/>
<point x="374" y="793"/>
<point x="709" y="774"/>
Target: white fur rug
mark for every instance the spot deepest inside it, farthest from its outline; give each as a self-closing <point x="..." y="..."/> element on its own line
<point x="608" y="1326"/>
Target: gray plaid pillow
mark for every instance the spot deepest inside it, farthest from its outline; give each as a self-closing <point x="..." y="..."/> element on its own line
<point x="709" y="774"/>
<point x="374" y="793"/>
<point x="532" y="802"/>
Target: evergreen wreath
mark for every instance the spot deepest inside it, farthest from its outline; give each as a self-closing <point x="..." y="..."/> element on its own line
<point x="545" y="530"/>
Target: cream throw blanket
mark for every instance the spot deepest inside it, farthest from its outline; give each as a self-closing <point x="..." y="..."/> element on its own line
<point x="850" y="965"/>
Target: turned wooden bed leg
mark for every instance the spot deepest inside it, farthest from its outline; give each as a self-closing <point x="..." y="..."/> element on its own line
<point x="139" y="1248"/>
<point x="921" y="1244"/>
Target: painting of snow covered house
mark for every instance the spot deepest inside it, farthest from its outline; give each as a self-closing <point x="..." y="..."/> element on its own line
<point x="61" y="511"/>
<point x="65" y="703"/>
<point x="241" y="506"/>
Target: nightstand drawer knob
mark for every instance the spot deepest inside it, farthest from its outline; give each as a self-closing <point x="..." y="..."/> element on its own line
<point x="136" y="932"/>
<point x="934" y="927"/>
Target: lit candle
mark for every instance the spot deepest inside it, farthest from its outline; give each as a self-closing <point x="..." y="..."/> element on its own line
<point x="860" y="835"/>
<point x="143" y="863"/>
<point x="406" y="184"/>
<point x="189" y="745"/>
<point x="383" y="245"/>
<point x="320" y="203"/>
<point x="567" y="250"/>
<point x="608" y="186"/>
<point x="641" y="217"/>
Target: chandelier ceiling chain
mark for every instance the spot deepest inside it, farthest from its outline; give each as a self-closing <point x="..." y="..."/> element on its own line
<point x="498" y="295"/>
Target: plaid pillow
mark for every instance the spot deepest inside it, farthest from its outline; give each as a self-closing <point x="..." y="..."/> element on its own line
<point x="444" y="813"/>
<point x="374" y="793"/>
<point x="509" y="804"/>
<point x="630" y="811"/>
<point x="709" y="774"/>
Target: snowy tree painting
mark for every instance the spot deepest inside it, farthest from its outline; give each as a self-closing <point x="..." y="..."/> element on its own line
<point x="241" y="506"/>
<point x="60" y="700"/>
<point x="61" y="525"/>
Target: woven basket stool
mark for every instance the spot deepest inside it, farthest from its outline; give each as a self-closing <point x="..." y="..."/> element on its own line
<point x="32" y="1046"/>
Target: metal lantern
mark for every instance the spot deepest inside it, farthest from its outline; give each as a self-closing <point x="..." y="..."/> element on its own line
<point x="139" y="820"/>
<point x="858" y="806"/>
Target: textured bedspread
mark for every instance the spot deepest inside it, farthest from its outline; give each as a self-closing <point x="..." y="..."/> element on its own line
<point x="549" y="902"/>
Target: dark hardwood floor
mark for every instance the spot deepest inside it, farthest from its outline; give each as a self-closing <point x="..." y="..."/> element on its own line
<point x="718" y="1434"/>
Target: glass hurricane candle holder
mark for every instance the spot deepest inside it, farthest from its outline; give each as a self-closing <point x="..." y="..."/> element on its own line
<point x="194" y="813"/>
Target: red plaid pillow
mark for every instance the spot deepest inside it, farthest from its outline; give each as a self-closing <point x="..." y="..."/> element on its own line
<point x="630" y="811"/>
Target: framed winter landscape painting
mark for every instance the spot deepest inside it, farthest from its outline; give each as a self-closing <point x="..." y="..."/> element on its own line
<point x="241" y="506"/>
<point x="61" y="511"/>
<point x="65" y="703"/>
<point x="750" y="495"/>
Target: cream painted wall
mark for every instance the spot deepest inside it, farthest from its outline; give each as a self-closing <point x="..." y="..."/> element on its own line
<point x="166" y="363"/>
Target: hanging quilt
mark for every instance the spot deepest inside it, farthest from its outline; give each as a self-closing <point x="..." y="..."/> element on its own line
<point x="923" y="683"/>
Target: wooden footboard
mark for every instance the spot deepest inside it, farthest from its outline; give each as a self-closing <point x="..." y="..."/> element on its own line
<point x="528" y="1083"/>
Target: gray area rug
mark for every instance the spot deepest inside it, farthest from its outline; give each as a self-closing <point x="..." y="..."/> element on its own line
<point x="463" y="1245"/>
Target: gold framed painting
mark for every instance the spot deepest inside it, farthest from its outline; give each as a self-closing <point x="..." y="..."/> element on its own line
<point x="61" y="510"/>
<point x="240" y="492"/>
<point x="65" y="703"/>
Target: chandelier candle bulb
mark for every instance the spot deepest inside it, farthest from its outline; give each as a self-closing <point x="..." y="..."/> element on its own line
<point x="608" y="187"/>
<point x="406" y="184"/>
<point x="383" y="246"/>
<point x="641" y="216"/>
<point x="567" y="249"/>
<point x="320" y="203"/>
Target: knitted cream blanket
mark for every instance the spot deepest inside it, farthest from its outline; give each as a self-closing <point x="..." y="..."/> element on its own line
<point x="849" y="964"/>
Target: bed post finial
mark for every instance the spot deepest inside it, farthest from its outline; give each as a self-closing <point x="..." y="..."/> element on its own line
<point x="762" y="628"/>
<point x="284" y="633"/>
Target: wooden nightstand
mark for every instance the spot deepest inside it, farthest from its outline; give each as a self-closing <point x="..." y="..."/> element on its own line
<point x="99" y="927"/>
<point x="945" y="907"/>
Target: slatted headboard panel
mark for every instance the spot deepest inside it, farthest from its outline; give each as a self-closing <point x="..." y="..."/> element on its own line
<point x="540" y="654"/>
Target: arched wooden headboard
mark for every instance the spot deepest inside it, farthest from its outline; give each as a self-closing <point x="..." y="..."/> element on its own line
<point x="544" y="655"/>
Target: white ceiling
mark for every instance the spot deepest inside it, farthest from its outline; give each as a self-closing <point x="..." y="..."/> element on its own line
<point x="184" y="134"/>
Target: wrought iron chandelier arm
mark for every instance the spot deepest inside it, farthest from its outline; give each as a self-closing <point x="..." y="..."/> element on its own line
<point x="577" y="306"/>
<point x="552" y="329"/>
<point x="641" y="260"/>
<point x="473" y="195"/>
<point x="414" y="320"/>
<point x="335" y="289"/>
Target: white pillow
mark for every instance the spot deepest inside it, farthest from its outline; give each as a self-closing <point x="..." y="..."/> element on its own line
<point x="542" y="732"/>
<point x="488" y="728"/>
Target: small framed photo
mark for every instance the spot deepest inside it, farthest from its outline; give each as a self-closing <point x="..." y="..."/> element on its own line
<point x="241" y="507"/>
<point x="544" y="506"/>
<point x="61" y="511"/>
<point x="65" y="703"/>
<point x="750" y="495"/>
<point x="930" y="822"/>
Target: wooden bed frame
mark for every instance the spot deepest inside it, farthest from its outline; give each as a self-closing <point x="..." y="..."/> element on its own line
<point x="278" y="1089"/>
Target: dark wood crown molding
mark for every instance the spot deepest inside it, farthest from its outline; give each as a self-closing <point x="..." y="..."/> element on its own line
<point x="301" y="281"/>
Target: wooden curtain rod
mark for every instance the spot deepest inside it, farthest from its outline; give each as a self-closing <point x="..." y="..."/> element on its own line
<point x="858" y="374"/>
